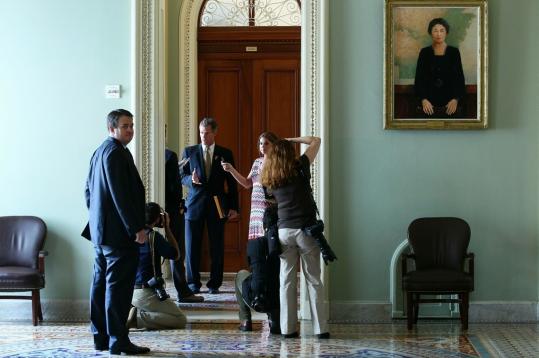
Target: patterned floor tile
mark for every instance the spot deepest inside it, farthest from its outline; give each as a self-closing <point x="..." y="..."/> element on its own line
<point x="223" y="339"/>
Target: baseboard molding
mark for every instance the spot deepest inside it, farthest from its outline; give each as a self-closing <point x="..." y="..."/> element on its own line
<point x="359" y="312"/>
<point x="480" y="311"/>
<point x="339" y="311"/>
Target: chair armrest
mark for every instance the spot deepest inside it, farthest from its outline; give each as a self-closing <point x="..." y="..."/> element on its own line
<point x="41" y="261"/>
<point x="470" y="256"/>
<point x="404" y="261"/>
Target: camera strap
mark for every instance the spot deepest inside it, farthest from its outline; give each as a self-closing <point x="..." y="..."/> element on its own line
<point x="308" y="183"/>
<point x="151" y="242"/>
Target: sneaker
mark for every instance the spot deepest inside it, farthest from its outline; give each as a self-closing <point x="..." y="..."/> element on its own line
<point x="191" y="299"/>
<point x="132" y="318"/>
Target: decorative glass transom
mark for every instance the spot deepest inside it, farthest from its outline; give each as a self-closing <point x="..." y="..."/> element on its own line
<point x="251" y="13"/>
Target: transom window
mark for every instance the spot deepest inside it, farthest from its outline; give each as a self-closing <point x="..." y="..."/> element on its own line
<point x="251" y="13"/>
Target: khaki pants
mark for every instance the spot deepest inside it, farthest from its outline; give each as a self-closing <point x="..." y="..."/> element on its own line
<point x="245" y="311"/>
<point x="155" y="314"/>
<point x="295" y="243"/>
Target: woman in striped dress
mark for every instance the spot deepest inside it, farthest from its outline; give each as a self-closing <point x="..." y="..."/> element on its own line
<point x="258" y="199"/>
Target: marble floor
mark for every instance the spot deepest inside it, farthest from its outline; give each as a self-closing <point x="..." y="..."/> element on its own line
<point x="430" y="339"/>
<point x="212" y="331"/>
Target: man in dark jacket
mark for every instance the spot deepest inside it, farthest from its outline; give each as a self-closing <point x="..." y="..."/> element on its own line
<point x="174" y="206"/>
<point x="115" y="200"/>
<point x="211" y="200"/>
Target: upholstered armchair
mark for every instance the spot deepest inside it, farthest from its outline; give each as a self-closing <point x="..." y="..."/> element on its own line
<point x="439" y="250"/>
<point x="22" y="261"/>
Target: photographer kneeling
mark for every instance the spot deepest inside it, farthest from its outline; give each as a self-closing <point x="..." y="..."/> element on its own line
<point x="259" y="289"/>
<point x="152" y="307"/>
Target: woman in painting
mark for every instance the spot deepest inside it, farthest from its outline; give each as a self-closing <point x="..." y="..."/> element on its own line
<point x="439" y="78"/>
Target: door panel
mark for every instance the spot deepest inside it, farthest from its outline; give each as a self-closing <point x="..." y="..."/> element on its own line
<point x="247" y="97"/>
<point x="276" y="90"/>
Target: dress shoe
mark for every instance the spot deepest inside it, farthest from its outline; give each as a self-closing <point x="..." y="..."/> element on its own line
<point x="246" y="326"/>
<point x="130" y="349"/>
<point x="191" y="299"/>
<point x="213" y="291"/>
<point x="322" y="335"/>
<point x="101" y="346"/>
<point x="132" y="318"/>
<point x="274" y="328"/>
<point x="291" y="335"/>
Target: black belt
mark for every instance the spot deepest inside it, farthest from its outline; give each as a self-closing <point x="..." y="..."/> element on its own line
<point x="137" y="286"/>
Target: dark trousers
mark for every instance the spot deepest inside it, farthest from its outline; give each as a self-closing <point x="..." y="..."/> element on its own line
<point x="245" y="309"/>
<point x="177" y="267"/>
<point x="111" y="293"/>
<point x="193" y="247"/>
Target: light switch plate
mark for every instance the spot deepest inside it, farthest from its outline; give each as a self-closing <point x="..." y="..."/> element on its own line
<point x="112" y="91"/>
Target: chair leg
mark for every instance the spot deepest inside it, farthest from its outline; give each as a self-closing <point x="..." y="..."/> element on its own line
<point x="39" y="311"/>
<point x="409" y="309"/>
<point x="416" y="307"/>
<point x="35" y="299"/>
<point x="464" y="305"/>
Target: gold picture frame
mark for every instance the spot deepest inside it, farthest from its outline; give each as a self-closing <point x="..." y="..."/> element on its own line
<point x="435" y="64"/>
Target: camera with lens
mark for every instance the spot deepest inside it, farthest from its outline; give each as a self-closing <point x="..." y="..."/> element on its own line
<point x="158" y="285"/>
<point x="317" y="231"/>
<point x="259" y="303"/>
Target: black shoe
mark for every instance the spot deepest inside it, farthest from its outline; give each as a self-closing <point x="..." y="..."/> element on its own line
<point x="291" y="335"/>
<point x="274" y="328"/>
<point x="322" y="335"/>
<point x="213" y="291"/>
<point x="130" y="349"/>
<point x="101" y="346"/>
<point x="195" y="290"/>
<point x="191" y="299"/>
<point x="246" y="326"/>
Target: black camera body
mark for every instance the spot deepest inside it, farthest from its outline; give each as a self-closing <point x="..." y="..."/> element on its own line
<point x="158" y="285"/>
<point x="259" y="303"/>
<point x="315" y="229"/>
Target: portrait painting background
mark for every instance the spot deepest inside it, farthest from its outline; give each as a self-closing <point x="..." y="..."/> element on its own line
<point x="411" y="35"/>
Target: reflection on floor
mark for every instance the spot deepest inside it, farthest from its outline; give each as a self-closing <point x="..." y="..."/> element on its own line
<point x="430" y="339"/>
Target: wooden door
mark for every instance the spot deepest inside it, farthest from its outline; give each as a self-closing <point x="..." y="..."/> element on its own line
<point x="247" y="93"/>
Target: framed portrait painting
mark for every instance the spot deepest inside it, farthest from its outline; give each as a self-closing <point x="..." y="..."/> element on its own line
<point x="435" y="64"/>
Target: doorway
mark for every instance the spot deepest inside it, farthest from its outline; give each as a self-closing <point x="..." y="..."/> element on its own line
<point x="249" y="81"/>
<point x="150" y="104"/>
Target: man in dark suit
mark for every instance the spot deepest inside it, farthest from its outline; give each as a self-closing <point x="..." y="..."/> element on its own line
<point x="174" y="206"/>
<point x="206" y="179"/>
<point x="115" y="200"/>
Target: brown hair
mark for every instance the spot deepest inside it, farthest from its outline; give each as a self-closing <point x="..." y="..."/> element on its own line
<point x="270" y="136"/>
<point x="279" y="165"/>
